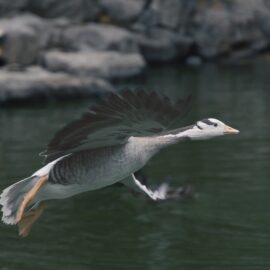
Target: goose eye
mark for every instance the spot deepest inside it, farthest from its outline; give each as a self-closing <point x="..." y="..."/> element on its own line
<point x="215" y="125"/>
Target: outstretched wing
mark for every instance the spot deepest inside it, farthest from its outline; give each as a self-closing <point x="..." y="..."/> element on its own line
<point x="114" y="119"/>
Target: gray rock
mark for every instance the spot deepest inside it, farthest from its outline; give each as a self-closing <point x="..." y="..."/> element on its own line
<point x="212" y="32"/>
<point x="58" y="27"/>
<point x="123" y="10"/>
<point x="23" y="38"/>
<point x="75" y="10"/>
<point x="168" y="13"/>
<point x="159" y="44"/>
<point x="250" y="21"/>
<point x="36" y="83"/>
<point x="99" y="36"/>
<point x="148" y="19"/>
<point x="11" y="7"/>
<point x="238" y="28"/>
<point x="109" y="65"/>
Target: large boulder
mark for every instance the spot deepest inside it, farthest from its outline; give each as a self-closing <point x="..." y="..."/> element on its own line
<point x="159" y="44"/>
<point x="123" y="10"/>
<point x="212" y="32"/>
<point x="75" y="10"/>
<point x="173" y="14"/>
<point x="233" y="28"/>
<point x="36" y="83"/>
<point x="109" y="65"/>
<point x="99" y="36"/>
<point x="250" y="21"/>
<point x="23" y="37"/>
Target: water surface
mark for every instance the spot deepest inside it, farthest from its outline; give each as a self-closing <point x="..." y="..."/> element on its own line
<point x="225" y="226"/>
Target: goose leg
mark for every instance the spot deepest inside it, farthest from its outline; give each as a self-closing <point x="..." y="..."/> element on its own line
<point x="166" y="192"/>
<point x="29" y="218"/>
<point x="28" y="197"/>
<point x="154" y="195"/>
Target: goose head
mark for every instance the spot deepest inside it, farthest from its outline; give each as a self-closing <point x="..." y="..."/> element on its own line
<point x="209" y="128"/>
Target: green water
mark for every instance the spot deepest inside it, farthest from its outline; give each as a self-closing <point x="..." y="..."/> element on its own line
<point x="225" y="226"/>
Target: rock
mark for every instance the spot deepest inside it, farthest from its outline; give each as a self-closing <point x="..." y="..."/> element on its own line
<point x="250" y="21"/>
<point x="99" y="36"/>
<point x="36" y="83"/>
<point x="109" y="65"/>
<point x="58" y="27"/>
<point x="148" y="19"/>
<point x="212" y="33"/>
<point x="23" y="38"/>
<point x="75" y="10"/>
<point x="163" y="45"/>
<point x="168" y="13"/>
<point x="248" y="10"/>
<point x="11" y="7"/>
<point x="123" y="10"/>
<point x="237" y="28"/>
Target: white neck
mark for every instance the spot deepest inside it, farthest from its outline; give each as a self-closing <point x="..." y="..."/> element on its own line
<point x="193" y="133"/>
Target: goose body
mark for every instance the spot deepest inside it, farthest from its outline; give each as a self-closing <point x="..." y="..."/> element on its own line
<point x="108" y="144"/>
<point x="98" y="168"/>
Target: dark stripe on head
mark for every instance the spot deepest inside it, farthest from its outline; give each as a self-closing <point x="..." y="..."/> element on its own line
<point x="208" y="122"/>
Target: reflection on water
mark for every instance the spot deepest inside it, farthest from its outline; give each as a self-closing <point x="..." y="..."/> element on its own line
<point x="226" y="226"/>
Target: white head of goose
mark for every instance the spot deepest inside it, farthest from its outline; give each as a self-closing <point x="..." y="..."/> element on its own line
<point x="108" y="144"/>
<point x="202" y="130"/>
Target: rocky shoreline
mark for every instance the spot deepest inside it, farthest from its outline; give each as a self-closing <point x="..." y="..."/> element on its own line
<point x="78" y="47"/>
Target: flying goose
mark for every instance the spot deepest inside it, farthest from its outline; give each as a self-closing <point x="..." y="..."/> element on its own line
<point x="110" y="142"/>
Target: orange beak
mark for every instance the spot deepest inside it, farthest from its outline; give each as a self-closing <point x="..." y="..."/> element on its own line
<point x="230" y="130"/>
